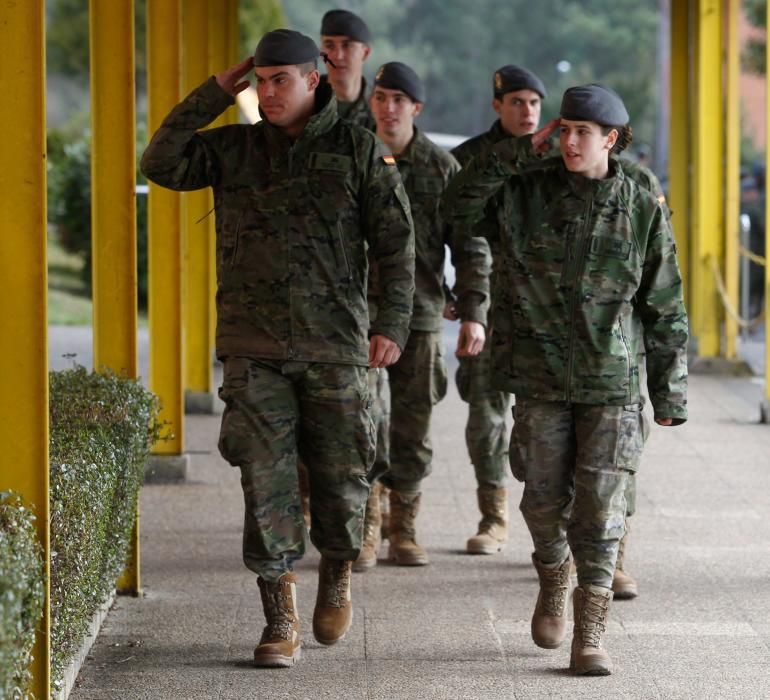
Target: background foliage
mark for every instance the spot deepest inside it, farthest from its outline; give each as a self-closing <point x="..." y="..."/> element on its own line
<point x="21" y="595"/>
<point x="102" y="428"/>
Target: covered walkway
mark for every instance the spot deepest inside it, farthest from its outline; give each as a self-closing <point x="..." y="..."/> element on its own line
<point x="459" y="628"/>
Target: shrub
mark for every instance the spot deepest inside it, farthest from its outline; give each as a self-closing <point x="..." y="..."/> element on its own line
<point x="102" y="428"/>
<point x="21" y="594"/>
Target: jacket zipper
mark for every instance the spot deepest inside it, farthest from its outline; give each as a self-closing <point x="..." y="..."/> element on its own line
<point x="234" y="256"/>
<point x="341" y="240"/>
<point x="628" y="351"/>
<point x="574" y="300"/>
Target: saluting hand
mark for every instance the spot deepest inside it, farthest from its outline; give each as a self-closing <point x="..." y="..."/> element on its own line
<point x="229" y="79"/>
<point x="383" y="352"/>
<point x="540" y="138"/>
<point x="470" y="342"/>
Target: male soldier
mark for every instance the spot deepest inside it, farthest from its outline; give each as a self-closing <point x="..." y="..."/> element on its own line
<point x="346" y="39"/>
<point x="418" y="379"/>
<point x="518" y="94"/>
<point x="299" y="197"/>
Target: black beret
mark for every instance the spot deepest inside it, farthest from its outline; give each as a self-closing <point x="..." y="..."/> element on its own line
<point x="399" y="76"/>
<point x="513" y="78"/>
<point x="285" y="47"/>
<point x="594" y="103"/>
<point x="344" y="23"/>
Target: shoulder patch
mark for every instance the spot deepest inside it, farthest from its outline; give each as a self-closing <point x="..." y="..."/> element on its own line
<point x="389" y="160"/>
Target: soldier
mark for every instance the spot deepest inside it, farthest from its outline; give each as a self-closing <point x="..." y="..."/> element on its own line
<point x="518" y="94"/>
<point x="587" y="279"/>
<point x="299" y="198"/>
<point x="418" y="379"/>
<point x="346" y="40"/>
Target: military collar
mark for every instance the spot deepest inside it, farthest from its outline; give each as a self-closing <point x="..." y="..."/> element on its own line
<point x="323" y="118"/>
<point x="411" y="152"/>
<point x="600" y="189"/>
<point x="347" y="106"/>
<point x="497" y="133"/>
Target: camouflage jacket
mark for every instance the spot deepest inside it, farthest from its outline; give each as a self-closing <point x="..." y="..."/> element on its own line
<point x="358" y="111"/>
<point x="293" y="223"/>
<point x="588" y="281"/>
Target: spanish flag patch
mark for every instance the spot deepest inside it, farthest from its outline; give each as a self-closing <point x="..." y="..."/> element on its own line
<point x="389" y="160"/>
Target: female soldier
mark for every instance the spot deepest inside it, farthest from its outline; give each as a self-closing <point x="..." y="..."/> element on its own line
<point x="588" y="283"/>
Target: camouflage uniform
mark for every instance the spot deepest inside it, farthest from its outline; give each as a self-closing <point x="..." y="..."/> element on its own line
<point x="357" y="111"/>
<point x="293" y="224"/>
<point x="418" y="380"/>
<point x="485" y="432"/>
<point x="587" y="281"/>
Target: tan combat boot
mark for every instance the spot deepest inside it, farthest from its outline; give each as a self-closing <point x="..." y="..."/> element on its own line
<point x="592" y="606"/>
<point x="623" y="584"/>
<point x="372" y="523"/>
<point x="404" y="549"/>
<point x="493" y="528"/>
<point x="385" y="512"/>
<point x="279" y="645"/>
<point x="333" y="607"/>
<point x="549" y="621"/>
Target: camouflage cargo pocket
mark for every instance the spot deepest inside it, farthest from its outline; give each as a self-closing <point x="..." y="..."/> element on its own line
<point x="440" y="374"/>
<point x="517" y="450"/>
<point x="631" y="436"/>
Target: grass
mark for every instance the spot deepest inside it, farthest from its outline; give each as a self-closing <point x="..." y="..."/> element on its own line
<point x="69" y="302"/>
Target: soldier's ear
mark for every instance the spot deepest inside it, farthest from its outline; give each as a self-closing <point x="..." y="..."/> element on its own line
<point x="367" y="51"/>
<point x="496" y="105"/>
<point x="418" y="108"/>
<point x="313" y="80"/>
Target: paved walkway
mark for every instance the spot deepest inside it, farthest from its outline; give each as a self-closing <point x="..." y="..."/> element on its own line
<point x="459" y="628"/>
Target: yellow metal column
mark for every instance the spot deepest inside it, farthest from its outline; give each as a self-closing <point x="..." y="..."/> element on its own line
<point x="23" y="285"/>
<point x="708" y="168"/>
<point x="680" y="193"/>
<point x="196" y="208"/>
<point x="766" y="402"/>
<point x="732" y="172"/>
<point x="164" y="76"/>
<point x="113" y="203"/>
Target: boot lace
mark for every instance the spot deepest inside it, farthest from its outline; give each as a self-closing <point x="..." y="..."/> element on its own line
<point x="555" y="587"/>
<point x="335" y="583"/>
<point x="593" y="620"/>
<point x="280" y="620"/>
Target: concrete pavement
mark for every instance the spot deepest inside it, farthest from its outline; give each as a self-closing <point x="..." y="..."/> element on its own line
<point x="459" y="628"/>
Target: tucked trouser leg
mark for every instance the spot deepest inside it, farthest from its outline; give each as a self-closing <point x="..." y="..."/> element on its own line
<point x="485" y="432"/>
<point x="609" y="447"/>
<point x="542" y="455"/>
<point x="336" y="442"/>
<point x="418" y="381"/>
<point x="258" y="434"/>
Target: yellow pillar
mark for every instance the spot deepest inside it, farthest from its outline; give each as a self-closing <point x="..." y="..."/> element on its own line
<point x="680" y="194"/>
<point x="23" y="285"/>
<point x="233" y="38"/>
<point x="113" y="203"/>
<point x="732" y="172"/>
<point x="196" y="212"/>
<point x="164" y="77"/>
<point x="708" y="168"/>
<point x="766" y="401"/>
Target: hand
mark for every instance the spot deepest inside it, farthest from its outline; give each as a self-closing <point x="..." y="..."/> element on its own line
<point x="228" y="79"/>
<point x="664" y="421"/>
<point x="383" y="352"/>
<point x="540" y="142"/>
<point x="450" y="311"/>
<point x="471" y="339"/>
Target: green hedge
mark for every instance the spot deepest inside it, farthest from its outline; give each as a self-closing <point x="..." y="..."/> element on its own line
<point x="21" y="594"/>
<point x="102" y="428"/>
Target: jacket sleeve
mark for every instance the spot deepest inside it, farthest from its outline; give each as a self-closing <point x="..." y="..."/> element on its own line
<point x="390" y="235"/>
<point x="472" y="261"/>
<point x="660" y="303"/>
<point x="179" y="156"/>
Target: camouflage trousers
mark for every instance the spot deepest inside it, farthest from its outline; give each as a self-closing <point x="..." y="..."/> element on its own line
<point x="418" y="381"/>
<point x="486" y="434"/>
<point x="379" y="390"/>
<point x="276" y="412"/>
<point x="575" y="461"/>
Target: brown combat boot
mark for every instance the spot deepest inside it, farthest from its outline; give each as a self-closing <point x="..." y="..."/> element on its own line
<point x="549" y="621"/>
<point x="384" y="512"/>
<point x="493" y="527"/>
<point x="333" y="607"/>
<point x="592" y="606"/>
<point x="623" y="584"/>
<point x="372" y="522"/>
<point x="404" y="549"/>
<point x="279" y="645"/>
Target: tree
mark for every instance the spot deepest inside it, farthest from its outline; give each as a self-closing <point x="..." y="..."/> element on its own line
<point x="754" y="52"/>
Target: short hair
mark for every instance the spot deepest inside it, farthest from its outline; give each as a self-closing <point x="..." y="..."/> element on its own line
<point x="305" y="68"/>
